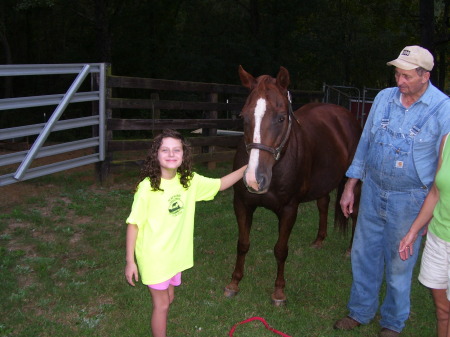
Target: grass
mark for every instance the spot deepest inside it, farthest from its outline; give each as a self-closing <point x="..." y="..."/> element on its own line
<point x="62" y="254"/>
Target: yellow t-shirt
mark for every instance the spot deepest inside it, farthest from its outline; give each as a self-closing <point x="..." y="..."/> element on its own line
<point x="164" y="245"/>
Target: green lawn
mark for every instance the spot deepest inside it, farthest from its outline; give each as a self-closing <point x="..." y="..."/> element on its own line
<point x="62" y="254"/>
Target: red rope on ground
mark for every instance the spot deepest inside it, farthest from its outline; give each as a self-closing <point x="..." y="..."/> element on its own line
<point x="257" y="319"/>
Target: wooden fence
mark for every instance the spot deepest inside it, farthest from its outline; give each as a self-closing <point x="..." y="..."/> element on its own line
<point x="207" y="113"/>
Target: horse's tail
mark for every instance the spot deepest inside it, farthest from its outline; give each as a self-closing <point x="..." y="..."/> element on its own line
<point x="340" y="221"/>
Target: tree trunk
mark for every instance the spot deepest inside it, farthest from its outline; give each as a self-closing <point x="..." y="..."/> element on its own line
<point x="427" y="28"/>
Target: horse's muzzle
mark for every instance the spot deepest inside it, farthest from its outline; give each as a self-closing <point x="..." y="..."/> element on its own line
<point x="259" y="186"/>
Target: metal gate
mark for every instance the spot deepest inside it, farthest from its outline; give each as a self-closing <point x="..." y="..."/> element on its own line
<point x="351" y="98"/>
<point x="16" y="166"/>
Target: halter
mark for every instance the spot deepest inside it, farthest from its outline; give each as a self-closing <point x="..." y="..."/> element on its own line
<point x="276" y="151"/>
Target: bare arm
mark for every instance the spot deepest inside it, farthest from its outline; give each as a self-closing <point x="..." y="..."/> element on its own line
<point x="405" y="248"/>
<point x="131" y="270"/>
<point x="406" y="245"/>
<point x="348" y="197"/>
<point x="232" y="178"/>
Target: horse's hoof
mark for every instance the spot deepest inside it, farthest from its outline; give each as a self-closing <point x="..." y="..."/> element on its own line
<point x="278" y="298"/>
<point x="316" y="245"/>
<point x="278" y="303"/>
<point x="229" y="292"/>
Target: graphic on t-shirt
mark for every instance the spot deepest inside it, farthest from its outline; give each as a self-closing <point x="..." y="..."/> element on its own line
<point x="175" y="205"/>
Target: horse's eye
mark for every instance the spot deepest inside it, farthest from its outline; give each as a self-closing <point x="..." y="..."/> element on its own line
<point x="281" y="119"/>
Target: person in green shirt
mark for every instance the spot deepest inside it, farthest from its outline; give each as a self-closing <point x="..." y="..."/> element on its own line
<point x="160" y="232"/>
<point x="435" y="264"/>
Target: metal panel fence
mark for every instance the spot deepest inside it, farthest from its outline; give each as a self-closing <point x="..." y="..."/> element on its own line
<point x="351" y="98"/>
<point x="17" y="165"/>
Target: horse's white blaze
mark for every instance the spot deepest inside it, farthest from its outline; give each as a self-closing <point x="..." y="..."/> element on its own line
<point x="250" y="177"/>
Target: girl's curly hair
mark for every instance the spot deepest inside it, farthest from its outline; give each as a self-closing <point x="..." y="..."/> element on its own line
<point x="151" y="168"/>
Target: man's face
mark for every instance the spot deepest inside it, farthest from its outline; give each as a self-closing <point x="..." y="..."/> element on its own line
<point x="410" y="82"/>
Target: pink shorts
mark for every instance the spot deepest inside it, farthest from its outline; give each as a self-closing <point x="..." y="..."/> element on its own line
<point x="175" y="281"/>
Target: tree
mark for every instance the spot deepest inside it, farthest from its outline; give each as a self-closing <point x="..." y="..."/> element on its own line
<point x="335" y="41"/>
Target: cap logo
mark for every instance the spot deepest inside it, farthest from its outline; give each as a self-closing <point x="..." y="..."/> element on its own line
<point x="406" y="52"/>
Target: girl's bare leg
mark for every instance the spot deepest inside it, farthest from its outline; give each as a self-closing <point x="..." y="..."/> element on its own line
<point x="442" y="305"/>
<point x="161" y="300"/>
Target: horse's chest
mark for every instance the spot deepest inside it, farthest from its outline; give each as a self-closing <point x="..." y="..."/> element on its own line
<point x="282" y="194"/>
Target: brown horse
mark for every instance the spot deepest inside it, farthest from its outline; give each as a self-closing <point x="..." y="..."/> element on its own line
<point x="292" y="157"/>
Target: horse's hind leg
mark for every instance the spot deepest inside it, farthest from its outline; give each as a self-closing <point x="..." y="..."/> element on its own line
<point x="348" y="252"/>
<point x="244" y="217"/>
<point x="354" y="215"/>
<point x="322" y="206"/>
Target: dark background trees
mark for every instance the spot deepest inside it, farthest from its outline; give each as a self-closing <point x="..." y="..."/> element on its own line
<point x="345" y="42"/>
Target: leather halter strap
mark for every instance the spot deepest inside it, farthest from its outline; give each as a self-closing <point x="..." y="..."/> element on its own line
<point x="276" y="152"/>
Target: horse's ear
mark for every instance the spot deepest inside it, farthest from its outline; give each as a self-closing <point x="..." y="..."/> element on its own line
<point x="283" y="78"/>
<point x="247" y="80"/>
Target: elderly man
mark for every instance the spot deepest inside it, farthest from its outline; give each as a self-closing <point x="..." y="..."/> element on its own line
<point x="396" y="159"/>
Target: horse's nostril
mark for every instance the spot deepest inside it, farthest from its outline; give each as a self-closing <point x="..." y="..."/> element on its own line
<point x="252" y="185"/>
<point x="261" y="182"/>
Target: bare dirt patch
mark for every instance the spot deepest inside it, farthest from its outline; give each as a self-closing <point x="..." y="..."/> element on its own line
<point x="14" y="193"/>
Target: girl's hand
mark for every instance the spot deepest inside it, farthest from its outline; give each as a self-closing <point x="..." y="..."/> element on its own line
<point x="131" y="272"/>
<point x="405" y="248"/>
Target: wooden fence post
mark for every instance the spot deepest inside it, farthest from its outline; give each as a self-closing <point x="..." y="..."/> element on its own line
<point x="156" y="113"/>
<point x="213" y="114"/>
<point x="103" y="168"/>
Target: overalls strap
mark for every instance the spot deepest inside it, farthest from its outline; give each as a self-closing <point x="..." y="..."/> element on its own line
<point x="416" y="128"/>
<point x="387" y="111"/>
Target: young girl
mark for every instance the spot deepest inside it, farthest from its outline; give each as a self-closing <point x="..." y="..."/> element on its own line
<point x="435" y="266"/>
<point x="161" y="223"/>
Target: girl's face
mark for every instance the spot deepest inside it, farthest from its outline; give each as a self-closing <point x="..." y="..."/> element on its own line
<point x="170" y="157"/>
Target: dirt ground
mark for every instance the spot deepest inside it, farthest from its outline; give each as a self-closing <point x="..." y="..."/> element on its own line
<point x="14" y="193"/>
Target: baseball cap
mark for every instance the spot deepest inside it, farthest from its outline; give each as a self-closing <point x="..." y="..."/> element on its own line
<point x="412" y="57"/>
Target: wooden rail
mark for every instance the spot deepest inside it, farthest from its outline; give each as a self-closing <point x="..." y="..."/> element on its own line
<point x="146" y="105"/>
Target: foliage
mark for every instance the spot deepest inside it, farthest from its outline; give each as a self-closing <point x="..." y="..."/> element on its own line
<point x="345" y="42"/>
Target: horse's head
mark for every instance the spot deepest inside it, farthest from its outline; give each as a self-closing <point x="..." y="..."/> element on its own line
<point x="267" y="116"/>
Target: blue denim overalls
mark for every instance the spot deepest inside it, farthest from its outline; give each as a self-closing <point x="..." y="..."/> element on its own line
<point x="391" y="198"/>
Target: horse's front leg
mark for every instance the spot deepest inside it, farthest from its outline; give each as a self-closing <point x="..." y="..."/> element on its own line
<point x="281" y="250"/>
<point x="244" y="217"/>
<point x="322" y="205"/>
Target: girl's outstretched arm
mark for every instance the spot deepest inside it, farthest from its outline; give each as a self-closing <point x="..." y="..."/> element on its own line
<point x="232" y="178"/>
<point x="131" y="270"/>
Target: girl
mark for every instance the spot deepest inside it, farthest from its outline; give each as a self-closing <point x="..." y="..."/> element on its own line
<point x="161" y="223"/>
<point x="435" y="268"/>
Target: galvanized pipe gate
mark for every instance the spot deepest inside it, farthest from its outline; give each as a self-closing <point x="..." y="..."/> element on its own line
<point x="97" y="72"/>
